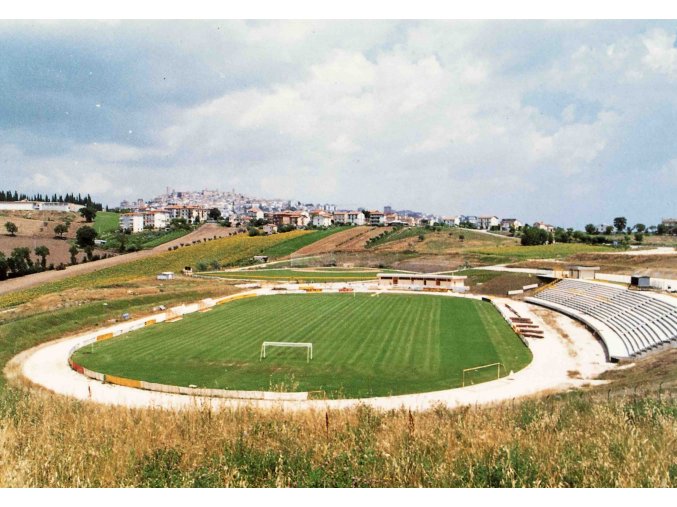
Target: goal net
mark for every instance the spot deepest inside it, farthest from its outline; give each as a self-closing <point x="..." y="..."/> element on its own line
<point x="307" y="346"/>
<point x="483" y="373"/>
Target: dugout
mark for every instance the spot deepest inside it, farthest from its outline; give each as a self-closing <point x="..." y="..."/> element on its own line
<point x="640" y="281"/>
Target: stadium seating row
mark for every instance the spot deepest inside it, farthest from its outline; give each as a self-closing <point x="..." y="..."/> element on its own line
<point x="640" y="321"/>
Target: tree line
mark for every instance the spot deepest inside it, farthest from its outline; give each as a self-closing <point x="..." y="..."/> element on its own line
<point x="14" y="196"/>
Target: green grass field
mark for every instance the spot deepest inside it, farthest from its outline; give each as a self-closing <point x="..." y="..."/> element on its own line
<point x="363" y="345"/>
<point x="514" y="253"/>
<point x="285" y="274"/>
<point x="105" y="222"/>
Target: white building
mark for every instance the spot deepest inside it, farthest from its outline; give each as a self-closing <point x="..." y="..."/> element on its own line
<point x="255" y="214"/>
<point x="508" y="223"/>
<point x="155" y="220"/>
<point x="349" y="217"/>
<point x="132" y="222"/>
<point x="486" y="222"/>
<point x="422" y="281"/>
<point x="544" y="226"/>
<point x="189" y="213"/>
<point x="63" y="207"/>
<point x="320" y="218"/>
<point x="451" y="221"/>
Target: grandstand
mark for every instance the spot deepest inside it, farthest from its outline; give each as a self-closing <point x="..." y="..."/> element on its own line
<point x="629" y="323"/>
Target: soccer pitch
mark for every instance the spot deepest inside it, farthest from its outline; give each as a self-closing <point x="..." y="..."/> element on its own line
<point x="363" y="345"/>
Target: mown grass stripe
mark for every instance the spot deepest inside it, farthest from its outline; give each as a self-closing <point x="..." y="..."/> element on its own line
<point x="363" y="345"/>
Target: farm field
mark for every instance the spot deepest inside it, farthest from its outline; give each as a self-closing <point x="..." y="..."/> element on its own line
<point x="362" y="345"/>
<point x="317" y="275"/>
<point x="347" y="238"/>
<point x="226" y="251"/>
<point x="298" y="241"/>
<point x="556" y="251"/>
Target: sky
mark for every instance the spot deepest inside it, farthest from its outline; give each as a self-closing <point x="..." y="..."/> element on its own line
<point x="569" y="122"/>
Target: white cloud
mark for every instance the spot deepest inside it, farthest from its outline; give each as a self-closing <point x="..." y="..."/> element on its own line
<point x="661" y="53"/>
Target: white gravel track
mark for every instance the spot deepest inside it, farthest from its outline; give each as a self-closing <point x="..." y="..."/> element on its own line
<point x="559" y="363"/>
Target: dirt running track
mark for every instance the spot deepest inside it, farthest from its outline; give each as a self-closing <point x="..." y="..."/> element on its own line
<point x="25" y="282"/>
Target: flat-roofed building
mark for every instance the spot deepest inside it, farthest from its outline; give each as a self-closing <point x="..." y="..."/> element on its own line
<point x="189" y="213"/>
<point x="579" y="272"/>
<point x="155" y="220"/>
<point x="418" y="281"/>
<point x="132" y="222"/>
<point x="39" y="206"/>
<point x="376" y="217"/>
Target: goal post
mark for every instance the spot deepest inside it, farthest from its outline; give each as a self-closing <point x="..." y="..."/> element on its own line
<point x="482" y="367"/>
<point x="307" y="346"/>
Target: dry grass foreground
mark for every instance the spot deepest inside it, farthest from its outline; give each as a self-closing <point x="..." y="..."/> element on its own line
<point x="573" y="440"/>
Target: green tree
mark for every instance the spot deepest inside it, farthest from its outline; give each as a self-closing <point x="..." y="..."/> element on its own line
<point x="179" y="224"/>
<point x="4" y="266"/>
<point x="60" y="230"/>
<point x="590" y="229"/>
<point x="73" y="250"/>
<point x="620" y="223"/>
<point x="639" y="237"/>
<point x="11" y="228"/>
<point x="640" y="227"/>
<point x="42" y="251"/>
<point x="214" y="213"/>
<point x="85" y="236"/>
<point x="89" y="213"/>
<point x="609" y="230"/>
<point x="20" y="261"/>
<point x="534" y="236"/>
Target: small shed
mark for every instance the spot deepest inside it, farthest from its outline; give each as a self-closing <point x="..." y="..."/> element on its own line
<point x="640" y="281"/>
<point x="166" y="275"/>
<point x="261" y="258"/>
<point x="188" y="271"/>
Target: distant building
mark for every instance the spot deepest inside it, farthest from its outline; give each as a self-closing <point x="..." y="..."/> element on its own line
<point x="376" y="218"/>
<point x="189" y="213"/>
<point x="487" y="222"/>
<point x="544" y="226"/>
<point x="255" y="214"/>
<point x="155" y="220"/>
<point x="132" y="222"/>
<point x="470" y="220"/>
<point x="510" y="223"/>
<point x="349" y="217"/>
<point x="451" y="221"/>
<point x="321" y="218"/>
<point x="63" y="207"/>
<point x="288" y="217"/>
